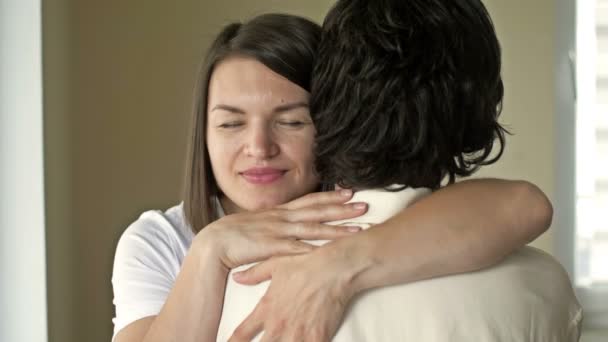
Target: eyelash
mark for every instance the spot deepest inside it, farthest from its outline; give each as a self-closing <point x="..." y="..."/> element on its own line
<point x="230" y="125"/>
<point x="293" y="124"/>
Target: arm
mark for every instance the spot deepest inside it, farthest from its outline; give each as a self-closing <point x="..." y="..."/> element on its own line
<point x="203" y="277"/>
<point x="193" y="302"/>
<point x="460" y="228"/>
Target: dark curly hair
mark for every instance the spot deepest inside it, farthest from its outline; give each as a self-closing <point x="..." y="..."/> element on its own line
<point x="406" y="92"/>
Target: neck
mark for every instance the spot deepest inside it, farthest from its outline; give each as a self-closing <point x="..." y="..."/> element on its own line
<point x="228" y="206"/>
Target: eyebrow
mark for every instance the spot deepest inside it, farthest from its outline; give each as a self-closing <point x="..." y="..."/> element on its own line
<point x="228" y="109"/>
<point x="279" y="109"/>
<point x="290" y="106"/>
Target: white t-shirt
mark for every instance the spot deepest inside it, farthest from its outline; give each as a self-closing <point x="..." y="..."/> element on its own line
<point x="148" y="258"/>
<point x="527" y="297"/>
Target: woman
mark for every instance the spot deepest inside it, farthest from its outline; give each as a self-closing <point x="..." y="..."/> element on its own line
<point x="252" y="159"/>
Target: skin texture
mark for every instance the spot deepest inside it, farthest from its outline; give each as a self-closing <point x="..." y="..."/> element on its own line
<point x="194" y="305"/>
<point x="460" y="228"/>
<point x="258" y="119"/>
<point x="308" y="304"/>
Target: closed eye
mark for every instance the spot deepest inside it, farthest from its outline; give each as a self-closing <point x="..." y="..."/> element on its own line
<point x="292" y="123"/>
<point x="230" y="124"/>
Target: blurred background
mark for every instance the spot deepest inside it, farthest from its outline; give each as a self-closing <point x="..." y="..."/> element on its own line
<point x="97" y="134"/>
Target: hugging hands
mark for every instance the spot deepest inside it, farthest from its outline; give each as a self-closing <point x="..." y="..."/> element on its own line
<point x="305" y="301"/>
<point x="305" y="304"/>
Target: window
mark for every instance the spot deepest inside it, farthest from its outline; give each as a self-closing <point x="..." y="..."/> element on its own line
<point x="589" y="66"/>
<point x="581" y="151"/>
<point x="592" y="144"/>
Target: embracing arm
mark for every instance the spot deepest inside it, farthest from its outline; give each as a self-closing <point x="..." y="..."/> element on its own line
<point x="192" y="310"/>
<point x="460" y="228"/>
<point x="193" y="305"/>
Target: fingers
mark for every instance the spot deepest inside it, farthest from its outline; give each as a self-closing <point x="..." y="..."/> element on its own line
<point x="317" y="231"/>
<point x="251" y="326"/>
<point x="258" y="273"/>
<point x="326" y="212"/>
<point x="319" y="198"/>
<point x="282" y="247"/>
<point x="286" y="240"/>
<point x="274" y="247"/>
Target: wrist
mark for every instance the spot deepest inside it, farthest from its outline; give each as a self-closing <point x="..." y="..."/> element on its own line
<point x="353" y="263"/>
<point x="208" y="252"/>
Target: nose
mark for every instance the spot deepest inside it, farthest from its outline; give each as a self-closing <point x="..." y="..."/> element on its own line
<point x="261" y="144"/>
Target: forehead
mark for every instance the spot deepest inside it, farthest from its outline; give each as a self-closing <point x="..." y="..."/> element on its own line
<point x="243" y="78"/>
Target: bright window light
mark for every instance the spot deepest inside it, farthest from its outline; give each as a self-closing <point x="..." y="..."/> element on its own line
<point x="591" y="250"/>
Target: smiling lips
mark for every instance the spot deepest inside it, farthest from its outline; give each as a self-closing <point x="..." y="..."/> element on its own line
<point x="262" y="175"/>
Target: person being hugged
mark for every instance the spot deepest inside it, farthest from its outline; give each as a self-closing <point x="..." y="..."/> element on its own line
<point x="405" y="95"/>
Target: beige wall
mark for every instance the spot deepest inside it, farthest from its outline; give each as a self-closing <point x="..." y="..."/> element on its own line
<point x="118" y="88"/>
<point x="118" y="80"/>
<point x="526" y="32"/>
<point x="60" y="232"/>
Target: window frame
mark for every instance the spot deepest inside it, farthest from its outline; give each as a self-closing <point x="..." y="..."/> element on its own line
<point x="594" y="299"/>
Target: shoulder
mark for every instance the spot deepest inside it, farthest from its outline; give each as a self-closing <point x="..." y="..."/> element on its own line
<point x="155" y="226"/>
<point x="529" y="294"/>
<point x="156" y="239"/>
<point x="536" y="267"/>
<point x="537" y="277"/>
<point x="148" y="258"/>
<point x="529" y="283"/>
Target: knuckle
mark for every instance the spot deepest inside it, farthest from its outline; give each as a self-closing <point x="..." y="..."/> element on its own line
<point x="293" y="244"/>
<point x="299" y="246"/>
<point x="322" y="229"/>
<point x="265" y="300"/>
<point x="279" y="325"/>
<point x="299" y="332"/>
<point x="276" y="213"/>
<point x="298" y="229"/>
<point x="240" y="332"/>
<point x="272" y="260"/>
<point x="317" y="334"/>
<point x="272" y="332"/>
<point x="330" y="208"/>
<point x="313" y="195"/>
<point x="316" y="198"/>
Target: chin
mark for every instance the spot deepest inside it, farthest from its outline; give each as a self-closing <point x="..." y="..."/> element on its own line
<point x="261" y="205"/>
<point x="267" y="202"/>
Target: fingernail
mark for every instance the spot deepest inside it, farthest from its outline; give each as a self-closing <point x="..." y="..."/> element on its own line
<point x="360" y="205"/>
<point x="346" y="192"/>
<point x="237" y="275"/>
<point x="353" y="229"/>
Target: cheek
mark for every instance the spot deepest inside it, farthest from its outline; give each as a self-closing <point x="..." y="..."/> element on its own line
<point x="220" y="152"/>
<point x="301" y="152"/>
<point x="212" y="147"/>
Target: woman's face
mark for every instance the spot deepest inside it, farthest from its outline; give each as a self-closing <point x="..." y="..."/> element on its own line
<point x="259" y="136"/>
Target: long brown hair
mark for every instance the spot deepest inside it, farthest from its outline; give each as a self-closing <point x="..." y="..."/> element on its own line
<point x="284" y="43"/>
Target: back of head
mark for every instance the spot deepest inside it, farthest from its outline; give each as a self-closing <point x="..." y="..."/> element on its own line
<point x="406" y="92"/>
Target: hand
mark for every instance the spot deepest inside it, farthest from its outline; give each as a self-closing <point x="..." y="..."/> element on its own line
<point x="255" y="236"/>
<point x="305" y="301"/>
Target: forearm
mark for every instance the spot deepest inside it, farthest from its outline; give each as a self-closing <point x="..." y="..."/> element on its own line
<point x="460" y="228"/>
<point x="193" y="309"/>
